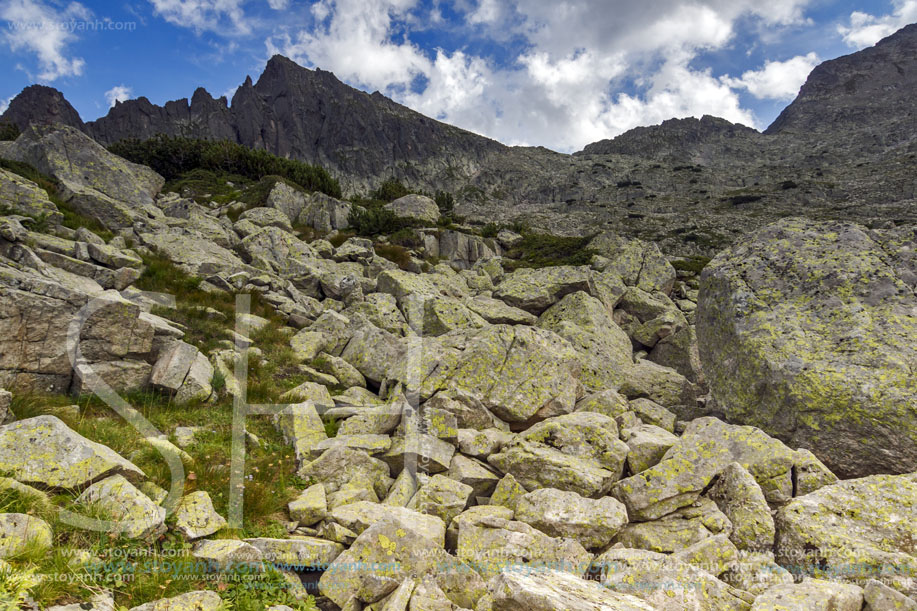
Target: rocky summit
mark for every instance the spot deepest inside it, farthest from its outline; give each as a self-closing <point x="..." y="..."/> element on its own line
<point x="251" y="375"/>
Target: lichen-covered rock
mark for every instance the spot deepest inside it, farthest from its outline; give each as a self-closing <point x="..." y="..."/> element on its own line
<point x="880" y="597"/>
<point x="853" y="530"/>
<point x="416" y="208"/>
<point x="578" y="452"/>
<point x="473" y="473"/>
<point x="131" y="512"/>
<point x="341" y="466"/>
<point x="707" y="447"/>
<point x="516" y="372"/>
<point x="442" y="497"/>
<point x="20" y="533"/>
<point x="603" y="348"/>
<point x="638" y="263"/>
<point x="551" y="590"/>
<point x="275" y="250"/>
<point x="739" y="497"/>
<point x="43" y="450"/>
<point x="497" y="312"/>
<point x="756" y="572"/>
<point x="667" y="583"/>
<point x="647" y="444"/>
<point x="608" y="402"/>
<point x="25" y="197"/>
<point x="491" y="544"/>
<point x="97" y="183"/>
<point x="361" y="515"/>
<point x="425" y="452"/>
<point x="301" y="427"/>
<point x="200" y="600"/>
<point x="677" y="530"/>
<point x="535" y="290"/>
<point x="432" y="315"/>
<point x="557" y="513"/>
<point x="195" y="516"/>
<point x="297" y="553"/>
<point x="806" y="330"/>
<point x="481" y="444"/>
<point x="310" y="507"/>
<point x="712" y="554"/>
<point x="508" y="492"/>
<point x="387" y="553"/>
<point x="196" y="255"/>
<point x="227" y="555"/>
<point x="811" y="594"/>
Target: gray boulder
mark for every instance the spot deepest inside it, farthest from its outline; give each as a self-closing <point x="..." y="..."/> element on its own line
<point x="97" y="183"/>
<point x="806" y="331"/>
<point x="416" y="208"/>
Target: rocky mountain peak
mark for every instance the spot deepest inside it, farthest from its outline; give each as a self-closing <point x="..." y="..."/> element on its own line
<point x="42" y="105"/>
<point x="689" y="139"/>
<point x="869" y="92"/>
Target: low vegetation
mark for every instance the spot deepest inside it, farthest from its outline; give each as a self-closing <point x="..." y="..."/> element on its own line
<point x="543" y="250"/>
<point x="8" y="131"/>
<point x="175" y="157"/>
<point x="137" y="571"/>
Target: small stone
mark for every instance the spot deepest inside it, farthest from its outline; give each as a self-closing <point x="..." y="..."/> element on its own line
<point x="195" y="516"/>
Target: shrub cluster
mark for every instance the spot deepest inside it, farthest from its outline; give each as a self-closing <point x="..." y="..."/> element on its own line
<point x="8" y="131"/>
<point x="174" y="156"/>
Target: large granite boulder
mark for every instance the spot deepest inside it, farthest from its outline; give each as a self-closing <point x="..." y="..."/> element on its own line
<point x="853" y="531"/>
<point x="550" y="590"/>
<point x="97" y="183"/>
<point x="419" y="208"/>
<point x="387" y="553"/>
<point x="603" y="348"/>
<point x="806" y="330"/>
<point x="25" y="197"/>
<point x="45" y="451"/>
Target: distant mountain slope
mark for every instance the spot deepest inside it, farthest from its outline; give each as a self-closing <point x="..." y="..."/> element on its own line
<point x="870" y="93"/>
<point x="705" y="140"/>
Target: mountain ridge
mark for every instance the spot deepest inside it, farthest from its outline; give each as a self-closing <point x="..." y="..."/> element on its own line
<point x="837" y="151"/>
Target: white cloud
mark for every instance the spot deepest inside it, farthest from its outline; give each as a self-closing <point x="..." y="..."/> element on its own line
<point x="4" y="104"/>
<point x="118" y="93"/>
<point x="585" y="70"/>
<point x="353" y="40"/>
<point x="776" y="80"/>
<point x="45" y="31"/>
<point x="221" y="16"/>
<point x="866" y="30"/>
<point x="279" y="5"/>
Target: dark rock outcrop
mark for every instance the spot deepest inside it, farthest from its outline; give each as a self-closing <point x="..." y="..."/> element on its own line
<point x="41" y="105"/>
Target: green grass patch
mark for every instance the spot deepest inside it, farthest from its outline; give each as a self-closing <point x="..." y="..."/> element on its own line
<point x="399" y="255"/>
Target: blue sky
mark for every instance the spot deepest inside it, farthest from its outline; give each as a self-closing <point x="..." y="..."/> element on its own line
<point x="540" y="72"/>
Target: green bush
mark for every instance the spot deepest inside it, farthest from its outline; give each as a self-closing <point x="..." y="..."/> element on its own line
<point x="374" y="221"/>
<point x="490" y="230"/>
<point x="389" y="191"/>
<point x="173" y="156"/>
<point x="543" y="250"/>
<point x="398" y="255"/>
<point x="8" y="131"/>
<point x="445" y="202"/>
<point x="406" y="237"/>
